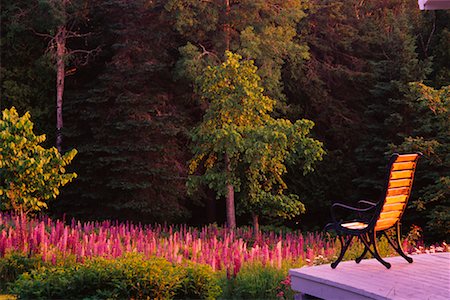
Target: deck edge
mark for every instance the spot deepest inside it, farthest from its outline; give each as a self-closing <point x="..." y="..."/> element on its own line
<point x="311" y="284"/>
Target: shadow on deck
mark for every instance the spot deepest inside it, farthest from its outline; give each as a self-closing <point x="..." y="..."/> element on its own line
<point x="428" y="277"/>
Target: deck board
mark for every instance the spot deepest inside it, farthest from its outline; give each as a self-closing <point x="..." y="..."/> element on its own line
<point x="428" y="277"/>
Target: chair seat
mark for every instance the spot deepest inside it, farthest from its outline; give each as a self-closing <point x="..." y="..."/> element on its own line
<point x="354" y="225"/>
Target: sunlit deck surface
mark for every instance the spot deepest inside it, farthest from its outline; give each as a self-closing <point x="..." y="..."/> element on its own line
<point x="428" y="277"/>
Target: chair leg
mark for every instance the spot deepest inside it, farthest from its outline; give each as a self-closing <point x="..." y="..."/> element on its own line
<point x="344" y="247"/>
<point x="398" y="247"/>
<point x="358" y="260"/>
<point x="373" y="240"/>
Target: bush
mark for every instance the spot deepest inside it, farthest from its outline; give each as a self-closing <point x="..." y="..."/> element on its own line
<point x="255" y="281"/>
<point x="15" y="264"/>
<point x="200" y="283"/>
<point x="30" y="175"/>
<point x="131" y="277"/>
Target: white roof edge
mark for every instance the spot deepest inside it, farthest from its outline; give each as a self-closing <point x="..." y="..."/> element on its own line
<point x="433" y="4"/>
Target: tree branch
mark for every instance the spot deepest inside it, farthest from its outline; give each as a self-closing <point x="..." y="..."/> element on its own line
<point x="87" y="55"/>
<point x="206" y="52"/>
<point x="71" y="52"/>
<point x="73" y="34"/>
<point x="42" y="34"/>
<point x="431" y="34"/>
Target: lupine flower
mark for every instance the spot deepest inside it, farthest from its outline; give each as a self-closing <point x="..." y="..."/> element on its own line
<point x="220" y="248"/>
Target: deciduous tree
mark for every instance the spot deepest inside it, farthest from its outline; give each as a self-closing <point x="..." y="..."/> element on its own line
<point x="261" y="30"/>
<point x="30" y="175"/>
<point x="239" y="146"/>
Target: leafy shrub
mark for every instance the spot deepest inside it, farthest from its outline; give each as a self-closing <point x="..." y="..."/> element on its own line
<point x="200" y="283"/>
<point x="131" y="277"/>
<point x="30" y="175"/>
<point x="15" y="264"/>
<point x="255" y="281"/>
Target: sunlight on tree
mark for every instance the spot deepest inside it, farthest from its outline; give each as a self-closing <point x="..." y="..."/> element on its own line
<point x="30" y="175"/>
<point x="239" y="146"/>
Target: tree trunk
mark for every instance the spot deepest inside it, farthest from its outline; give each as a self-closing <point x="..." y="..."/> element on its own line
<point x="227" y="25"/>
<point x="255" y="224"/>
<point x="211" y="214"/>
<point x="60" y="40"/>
<point x="231" y="215"/>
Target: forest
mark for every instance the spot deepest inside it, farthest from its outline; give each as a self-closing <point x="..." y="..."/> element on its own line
<point x="130" y="85"/>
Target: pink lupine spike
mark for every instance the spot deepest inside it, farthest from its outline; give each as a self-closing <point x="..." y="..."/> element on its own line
<point x="279" y="255"/>
<point x="219" y="247"/>
<point x="237" y="266"/>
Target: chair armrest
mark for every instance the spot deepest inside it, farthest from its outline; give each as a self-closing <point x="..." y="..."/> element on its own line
<point x="366" y="202"/>
<point x="349" y="208"/>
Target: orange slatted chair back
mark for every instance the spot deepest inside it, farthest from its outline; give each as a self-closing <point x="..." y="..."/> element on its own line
<point x="398" y="190"/>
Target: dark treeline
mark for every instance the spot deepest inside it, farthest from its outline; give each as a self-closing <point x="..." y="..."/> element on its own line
<point x="129" y="106"/>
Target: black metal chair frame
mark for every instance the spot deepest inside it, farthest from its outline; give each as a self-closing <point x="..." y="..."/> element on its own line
<point x="368" y="235"/>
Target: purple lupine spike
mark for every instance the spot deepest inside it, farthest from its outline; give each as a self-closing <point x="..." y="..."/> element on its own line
<point x="279" y="254"/>
<point x="218" y="247"/>
<point x="237" y="266"/>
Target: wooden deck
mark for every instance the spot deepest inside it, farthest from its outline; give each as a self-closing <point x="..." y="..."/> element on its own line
<point x="428" y="277"/>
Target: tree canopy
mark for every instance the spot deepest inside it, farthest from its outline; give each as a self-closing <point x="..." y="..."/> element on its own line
<point x="344" y="65"/>
<point x="237" y="126"/>
<point x="431" y="136"/>
<point x="30" y="175"/>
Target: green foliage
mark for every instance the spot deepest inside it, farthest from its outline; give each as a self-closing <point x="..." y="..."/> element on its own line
<point x="431" y="136"/>
<point x="30" y="174"/>
<point x="356" y="248"/>
<point x="344" y="64"/>
<point x="388" y="118"/>
<point x="333" y="89"/>
<point x="255" y="281"/>
<point x="13" y="264"/>
<point x="27" y="75"/>
<point x="130" y="133"/>
<point x="353" y="87"/>
<point x="200" y="283"/>
<point x="437" y="46"/>
<point x="130" y="277"/>
<point x="237" y="124"/>
<point x="261" y="30"/>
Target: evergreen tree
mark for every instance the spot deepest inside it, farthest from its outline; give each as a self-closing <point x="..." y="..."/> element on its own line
<point x="431" y="136"/>
<point x="363" y="54"/>
<point x="434" y="41"/>
<point x="62" y="17"/>
<point x="345" y="65"/>
<point x="330" y="88"/>
<point x="57" y="22"/>
<point x="128" y="127"/>
<point x="387" y="118"/>
<point x="25" y="72"/>
<point x="264" y="31"/>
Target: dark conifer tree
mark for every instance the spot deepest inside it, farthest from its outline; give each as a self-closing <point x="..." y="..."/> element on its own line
<point x="363" y="55"/>
<point x="395" y="63"/>
<point x="128" y="127"/>
<point x="26" y="76"/>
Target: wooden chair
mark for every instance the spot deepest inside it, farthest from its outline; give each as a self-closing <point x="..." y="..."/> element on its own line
<point x="378" y="217"/>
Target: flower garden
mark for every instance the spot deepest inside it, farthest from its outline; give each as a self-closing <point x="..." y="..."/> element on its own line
<point x="174" y="149"/>
<point x="209" y="262"/>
